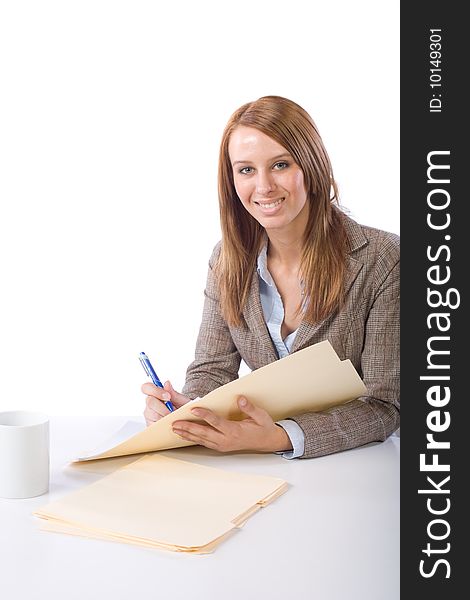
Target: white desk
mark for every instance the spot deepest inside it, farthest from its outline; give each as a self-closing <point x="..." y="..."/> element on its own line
<point x="334" y="535"/>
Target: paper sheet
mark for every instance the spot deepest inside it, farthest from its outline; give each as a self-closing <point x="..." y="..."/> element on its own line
<point x="129" y="429"/>
<point x="311" y="379"/>
<point x="163" y="502"/>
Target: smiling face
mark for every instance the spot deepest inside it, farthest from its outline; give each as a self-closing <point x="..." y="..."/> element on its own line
<point x="268" y="182"/>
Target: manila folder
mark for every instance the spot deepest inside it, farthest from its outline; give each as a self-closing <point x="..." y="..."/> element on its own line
<point x="312" y="379"/>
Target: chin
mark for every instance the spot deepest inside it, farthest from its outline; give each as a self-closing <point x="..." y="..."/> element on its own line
<point x="273" y="223"/>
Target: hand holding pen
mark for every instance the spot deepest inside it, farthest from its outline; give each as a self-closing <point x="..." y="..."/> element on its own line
<point x="148" y="368"/>
<point x="161" y="399"/>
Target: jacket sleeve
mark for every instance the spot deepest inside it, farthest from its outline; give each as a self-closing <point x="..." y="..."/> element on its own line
<point x="216" y="360"/>
<point x="375" y="416"/>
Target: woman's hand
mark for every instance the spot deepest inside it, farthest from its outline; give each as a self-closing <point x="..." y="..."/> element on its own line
<point x="154" y="402"/>
<point x="257" y="432"/>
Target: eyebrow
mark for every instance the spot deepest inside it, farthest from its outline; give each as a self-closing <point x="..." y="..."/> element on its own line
<point x="273" y="159"/>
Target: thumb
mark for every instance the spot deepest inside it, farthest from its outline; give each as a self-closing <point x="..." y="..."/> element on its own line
<point x="173" y="393"/>
<point x="257" y="414"/>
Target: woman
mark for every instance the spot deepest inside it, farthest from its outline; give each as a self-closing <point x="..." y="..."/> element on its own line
<point x="291" y="270"/>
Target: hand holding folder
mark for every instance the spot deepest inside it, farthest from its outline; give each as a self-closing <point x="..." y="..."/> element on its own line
<point x="312" y="379"/>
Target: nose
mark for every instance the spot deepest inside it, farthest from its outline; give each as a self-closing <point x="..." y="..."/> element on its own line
<point x="264" y="183"/>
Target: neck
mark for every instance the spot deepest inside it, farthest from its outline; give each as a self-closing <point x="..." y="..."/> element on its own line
<point x="283" y="249"/>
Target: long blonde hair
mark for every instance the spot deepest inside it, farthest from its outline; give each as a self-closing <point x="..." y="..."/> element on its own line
<point x="324" y="245"/>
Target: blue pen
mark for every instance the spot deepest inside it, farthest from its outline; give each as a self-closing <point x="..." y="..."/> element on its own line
<point x="153" y="376"/>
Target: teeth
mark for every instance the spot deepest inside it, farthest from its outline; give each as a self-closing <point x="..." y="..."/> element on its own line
<point x="272" y="204"/>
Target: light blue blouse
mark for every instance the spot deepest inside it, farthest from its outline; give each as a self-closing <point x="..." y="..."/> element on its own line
<point x="273" y="311"/>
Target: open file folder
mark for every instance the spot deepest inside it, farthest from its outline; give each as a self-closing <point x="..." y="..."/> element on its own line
<point x="311" y="379"/>
<point x="162" y="502"/>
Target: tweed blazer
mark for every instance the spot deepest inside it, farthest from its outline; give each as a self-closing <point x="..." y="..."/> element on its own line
<point x="366" y="330"/>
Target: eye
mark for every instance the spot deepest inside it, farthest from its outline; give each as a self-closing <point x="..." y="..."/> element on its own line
<point x="281" y="165"/>
<point x="246" y="170"/>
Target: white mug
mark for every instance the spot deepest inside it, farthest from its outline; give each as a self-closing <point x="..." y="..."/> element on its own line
<point x="24" y="454"/>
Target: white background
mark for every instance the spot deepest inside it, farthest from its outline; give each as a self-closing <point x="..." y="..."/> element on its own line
<point x="111" y="113"/>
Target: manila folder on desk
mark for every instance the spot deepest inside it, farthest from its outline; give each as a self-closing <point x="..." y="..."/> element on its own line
<point x="311" y="379"/>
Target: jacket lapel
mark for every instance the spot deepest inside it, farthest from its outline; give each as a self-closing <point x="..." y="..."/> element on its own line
<point x="253" y="314"/>
<point x="307" y="330"/>
<point x="357" y="240"/>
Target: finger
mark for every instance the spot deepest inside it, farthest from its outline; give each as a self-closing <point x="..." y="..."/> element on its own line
<point x="210" y="417"/>
<point x="150" y="389"/>
<point x="197" y="439"/>
<point x="259" y="415"/>
<point x="157" y="406"/>
<point x="205" y="432"/>
<point x="176" y="397"/>
<point x="150" y="416"/>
